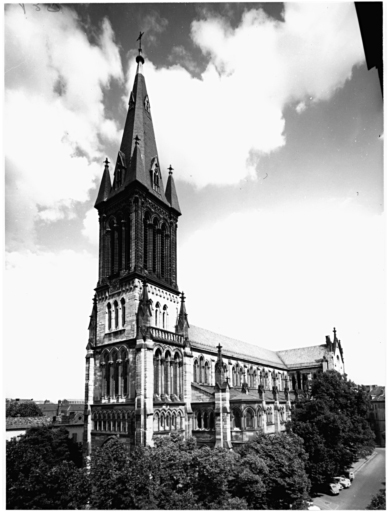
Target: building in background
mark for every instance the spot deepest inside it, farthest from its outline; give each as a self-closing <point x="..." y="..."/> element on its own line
<point x="377" y="412"/>
<point x="66" y="413"/>
<point x="149" y="373"/>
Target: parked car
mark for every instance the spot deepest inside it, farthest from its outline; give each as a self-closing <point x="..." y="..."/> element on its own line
<point x="334" y="488"/>
<point x="342" y="481"/>
<point x="350" y="475"/>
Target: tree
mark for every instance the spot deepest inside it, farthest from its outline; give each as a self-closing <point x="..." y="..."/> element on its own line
<point x="279" y="460"/>
<point x="333" y="422"/>
<point x="176" y="474"/>
<point x="44" y="471"/>
<point x="22" y="409"/>
<point x="379" y="500"/>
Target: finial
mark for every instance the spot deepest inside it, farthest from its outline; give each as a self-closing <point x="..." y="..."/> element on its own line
<point x="106" y="161"/>
<point x="219" y="348"/>
<point x="139" y="57"/>
<point x="170" y="169"/>
<point x="183" y="297"/>
<point x="137" y="140"/>
<point x="334" y="331"/>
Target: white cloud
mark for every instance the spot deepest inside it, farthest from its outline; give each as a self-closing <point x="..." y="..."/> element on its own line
<point x="283" y="280"/>
<point x="301" y="107"/>
<point x="91" y="226"/>
<point x="54" y="113"/>
<point x="211" y="128"/>
<point x="46" y="325"/>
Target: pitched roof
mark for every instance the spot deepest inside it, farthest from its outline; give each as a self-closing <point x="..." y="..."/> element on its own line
<point x="377" y="393"/>
<point x="304" y="356"/>
<point x="203" y="339"/>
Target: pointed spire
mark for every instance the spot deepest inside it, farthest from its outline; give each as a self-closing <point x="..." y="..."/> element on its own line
<point x="334" y="331"/>
<point x="139" y="123"/>
<point x="170" y="193"/>
<point x="182" y="322"/>
<point x="105" y="185"/>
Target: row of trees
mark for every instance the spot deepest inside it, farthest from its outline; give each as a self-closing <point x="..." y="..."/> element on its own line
<point x="333" y="422"/>
<point x="44" y="471"/>
<point x="328" y="432"/>
<point x="15" y="408"/>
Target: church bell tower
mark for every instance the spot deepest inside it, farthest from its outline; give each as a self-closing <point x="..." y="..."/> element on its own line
<point x="137" y="286"/>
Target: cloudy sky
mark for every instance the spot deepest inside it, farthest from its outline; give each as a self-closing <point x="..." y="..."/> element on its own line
<point x="274" y="127"/>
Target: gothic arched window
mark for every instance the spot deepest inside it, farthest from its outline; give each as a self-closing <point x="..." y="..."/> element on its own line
<point x="164" y="317"/>
<point x="116" y="313"/>
<point x="157" y="372"/>
<point x="167" y="374"/>
<point x="157" y="313"/>
<point x="196" y="371"/>
<point x="123" y="308"/>
<point x="236" y="419"/>
<point x="202" y="369"/>
<point x="109" y="316"/>
<point x="206" y="373"/>
<point x="155" y="250"/>
<point x="249" y="419"/>
<point x="163" y="250"/>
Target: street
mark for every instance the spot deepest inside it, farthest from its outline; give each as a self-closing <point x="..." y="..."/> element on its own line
<point x="368" y="481"/>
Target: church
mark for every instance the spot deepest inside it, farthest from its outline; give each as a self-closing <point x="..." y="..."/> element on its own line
<point x="149" y="372"/>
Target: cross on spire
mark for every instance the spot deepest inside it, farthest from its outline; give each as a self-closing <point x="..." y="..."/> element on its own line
<point x="170" y="169"/>
<point x="140" y="41"/>
<point x="106" y="161"/>
<point x="137" y="140"/>
<point x="139" y="59"/>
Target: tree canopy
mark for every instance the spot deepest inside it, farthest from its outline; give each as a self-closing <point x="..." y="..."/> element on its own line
<point x="22" y="409"/>
<point x="333" y="422"/>
<point x="176" y="474"/>
<point x="44" y="471"/>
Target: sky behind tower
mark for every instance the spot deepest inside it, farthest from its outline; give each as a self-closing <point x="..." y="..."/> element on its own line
<point x="274" y="128"/>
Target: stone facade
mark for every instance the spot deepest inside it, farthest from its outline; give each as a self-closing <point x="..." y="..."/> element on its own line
<point x="148" y="372"/>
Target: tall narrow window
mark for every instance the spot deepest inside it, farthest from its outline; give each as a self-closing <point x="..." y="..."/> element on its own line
<point x="109" y="316"/>
<point x="157" y="313"/>
<point x="123" y="306"/>
<point x="202" y="369"/>
<point x="155" y="251"/>
<point x="145" y="241"/>
<point x="206" y="373"/>
<point x="196" y="371"/>
<point x="116" y="309"/>
<point x="107" y="376"/>
<point x="157" y="372"/>
<point x="167" y="374"/>
<point x="163" y="249"/>
<point x="164" y="317"/>
<point x="115" y="375"/>
<point x="249" y="419"/>
<point x="176" y="374"/>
